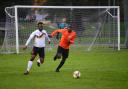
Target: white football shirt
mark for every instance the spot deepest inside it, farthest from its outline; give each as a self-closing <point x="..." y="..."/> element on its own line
<point x="39" y="38"/>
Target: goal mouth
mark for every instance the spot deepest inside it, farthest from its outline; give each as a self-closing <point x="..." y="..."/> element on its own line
<point x="96" y="26"/>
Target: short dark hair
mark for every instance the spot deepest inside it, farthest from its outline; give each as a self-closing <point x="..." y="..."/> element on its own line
<point x="40" y="23"/>
<point x="69" y="26"/>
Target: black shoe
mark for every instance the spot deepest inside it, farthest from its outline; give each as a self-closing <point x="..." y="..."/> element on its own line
<point x="38" y="64"/>
<point x="26" y="73"/>
<point x="57" y="70"/>
<point x="55" y="58"/>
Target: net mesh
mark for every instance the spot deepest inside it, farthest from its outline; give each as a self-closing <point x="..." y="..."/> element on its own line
<point x="9" y="43"/>
<point x="96" y="28"/>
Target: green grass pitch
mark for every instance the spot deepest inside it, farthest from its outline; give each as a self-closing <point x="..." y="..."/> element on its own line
<point x="99" y="70"/>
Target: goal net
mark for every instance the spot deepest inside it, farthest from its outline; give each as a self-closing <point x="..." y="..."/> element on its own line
<point x="97" y="27"/>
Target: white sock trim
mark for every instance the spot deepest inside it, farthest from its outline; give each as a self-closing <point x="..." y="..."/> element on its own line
<point x="29" y="65"/>
<point x="38" y="60"/>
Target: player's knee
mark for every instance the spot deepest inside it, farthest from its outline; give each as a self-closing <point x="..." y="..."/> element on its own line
<point x="32" y="58"/>
<point x="63" y="60"/>
<point x="59" y="56"/>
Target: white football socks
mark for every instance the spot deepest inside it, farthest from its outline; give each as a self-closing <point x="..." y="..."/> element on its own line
<point x="29" y="65"/>
<point x="38" y="60"/>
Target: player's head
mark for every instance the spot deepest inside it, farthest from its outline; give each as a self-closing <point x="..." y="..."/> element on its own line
<point x="69" y="28"/>
<point x="40" y="25"/>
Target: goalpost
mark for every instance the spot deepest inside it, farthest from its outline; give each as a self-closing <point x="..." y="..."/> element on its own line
<point x="96" y="26"/>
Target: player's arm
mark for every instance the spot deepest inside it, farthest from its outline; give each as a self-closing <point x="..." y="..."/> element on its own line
<point x="72" y="38"/>
<point x="47" y="37"/>
<point x="56" y="31"/>
<point x="28" y="41"/>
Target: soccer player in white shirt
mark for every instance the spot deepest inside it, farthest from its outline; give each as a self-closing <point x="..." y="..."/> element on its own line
<point x="39" y="36"/>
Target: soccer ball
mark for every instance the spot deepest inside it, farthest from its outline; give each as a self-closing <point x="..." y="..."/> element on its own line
<point x="76" y="74"/>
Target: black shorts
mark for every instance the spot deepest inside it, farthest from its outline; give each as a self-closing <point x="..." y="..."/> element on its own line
<point x="40" y="51"/>
<point x="63" y="52"/>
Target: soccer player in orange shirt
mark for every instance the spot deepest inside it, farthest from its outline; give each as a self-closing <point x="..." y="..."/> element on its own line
<point x="68" y="36"/>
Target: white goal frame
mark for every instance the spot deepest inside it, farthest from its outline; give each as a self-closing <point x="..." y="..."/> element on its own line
<point x="71" y="7"/>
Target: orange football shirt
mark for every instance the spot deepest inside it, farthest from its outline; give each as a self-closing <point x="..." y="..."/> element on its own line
<point x="66" y="39"/>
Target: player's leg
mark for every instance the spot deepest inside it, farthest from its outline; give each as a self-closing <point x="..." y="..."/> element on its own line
<point x="41" y="56"/>
<point x="60" y="65"/>
<point x="64" y="57"/>
<point x="58" y="54"/>
<point x="30" y="62"/>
